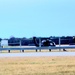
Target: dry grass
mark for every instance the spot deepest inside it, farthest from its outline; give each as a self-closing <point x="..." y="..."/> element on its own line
<point x="37" y="66"/>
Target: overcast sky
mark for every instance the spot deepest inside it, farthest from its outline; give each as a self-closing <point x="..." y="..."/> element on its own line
<point x="28" y="18"/>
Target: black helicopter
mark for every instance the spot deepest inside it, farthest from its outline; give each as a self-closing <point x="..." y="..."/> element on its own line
<point x="44" y="43"/>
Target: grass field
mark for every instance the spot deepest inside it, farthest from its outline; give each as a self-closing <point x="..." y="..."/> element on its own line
<point x="37" y="66"/>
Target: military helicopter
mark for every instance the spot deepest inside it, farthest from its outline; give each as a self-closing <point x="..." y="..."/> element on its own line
<point x="43" y="42"/>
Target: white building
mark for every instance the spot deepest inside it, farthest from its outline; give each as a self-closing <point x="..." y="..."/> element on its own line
<point x="4" y="43"/>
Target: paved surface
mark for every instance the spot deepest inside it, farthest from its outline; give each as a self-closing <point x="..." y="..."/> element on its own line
<point x="37" y="54"/>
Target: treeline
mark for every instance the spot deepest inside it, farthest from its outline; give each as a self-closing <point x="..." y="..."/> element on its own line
<point x="20" y="41"/>
<point x="13" y="41"/>
<point x="64" y="40"/>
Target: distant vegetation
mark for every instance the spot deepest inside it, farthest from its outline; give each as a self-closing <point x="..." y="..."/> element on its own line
<point x="29" y="41"/>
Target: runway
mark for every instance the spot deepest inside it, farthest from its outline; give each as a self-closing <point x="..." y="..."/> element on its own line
<point x="37" y="54"/>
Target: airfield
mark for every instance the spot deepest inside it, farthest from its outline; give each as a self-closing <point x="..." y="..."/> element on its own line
<point x="24" y="51"/>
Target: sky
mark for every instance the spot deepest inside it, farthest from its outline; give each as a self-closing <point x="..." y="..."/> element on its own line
<point x="41" y="18"/>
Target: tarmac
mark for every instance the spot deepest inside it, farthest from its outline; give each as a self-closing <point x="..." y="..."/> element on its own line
<point x="37" y="54"/>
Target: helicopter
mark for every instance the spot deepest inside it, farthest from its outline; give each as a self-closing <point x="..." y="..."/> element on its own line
<point x="43" y="43"/>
